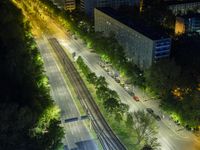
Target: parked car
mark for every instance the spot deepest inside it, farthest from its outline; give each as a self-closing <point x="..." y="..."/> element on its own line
<point x="106" y="69"/>
<point x="73" y="54"/>
<point x="122" y="84"/>
<point x="157" y="117"/>
<point x="110" y="73"/>
<point x="131" y="93"/>
<point x="149" y="110"/>
<point x="117" y="80"/>
<point x="126" y="88"/>
<point x="101" y="64"/>
<point x="136" y="98"/>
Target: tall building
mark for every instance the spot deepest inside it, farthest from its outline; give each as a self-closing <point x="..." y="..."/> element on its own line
<point x="88" y="5"/>
<point x="142" y="45"/>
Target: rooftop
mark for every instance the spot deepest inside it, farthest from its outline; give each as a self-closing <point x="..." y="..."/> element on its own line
<point x="140" y="27"/>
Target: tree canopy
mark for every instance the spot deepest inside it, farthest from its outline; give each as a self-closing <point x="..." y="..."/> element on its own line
<point x="144" y="127"/>
<point x="26" y="117"/>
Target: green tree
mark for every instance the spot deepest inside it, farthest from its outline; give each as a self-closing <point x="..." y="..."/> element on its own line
<point x="147" y="147"/>
<point x="25" y="95"/>
<point x="111" y="104"/>
<point x="92" y="78"/>
<point x="101" y="81"/>
<point x="129" y="120"/>
<point x="144" y="127"/>
<point x="83" y="67"/>
<point x="163" y="76"/>
<point x="101" y="93"/>
<point x="121" y="111"/>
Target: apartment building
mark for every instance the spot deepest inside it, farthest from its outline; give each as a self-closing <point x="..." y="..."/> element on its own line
<point x="142" y="45"/>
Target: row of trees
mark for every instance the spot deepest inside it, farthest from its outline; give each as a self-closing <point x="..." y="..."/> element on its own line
<point x="29" y="119"/>
<point x="109" y="98"/>
<point x="138" y="124"/>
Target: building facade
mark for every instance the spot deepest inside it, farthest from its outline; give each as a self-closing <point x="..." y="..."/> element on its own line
<point x="70" y="5"/>
<point x="140" y="47"/>
<point x="88" y="5"/>
<point x="65" y="4"/>
<point x="187" y="24"/>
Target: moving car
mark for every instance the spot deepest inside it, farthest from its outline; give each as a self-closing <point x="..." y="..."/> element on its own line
<point x="157" y="117"/>
<point x="117" y="80"/>
<point x="149" y="110"/>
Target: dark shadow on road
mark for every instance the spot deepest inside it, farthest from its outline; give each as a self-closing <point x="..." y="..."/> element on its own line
<point x="83" y="145"/>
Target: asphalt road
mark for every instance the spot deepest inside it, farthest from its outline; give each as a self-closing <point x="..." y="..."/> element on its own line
<point x="77" y="136"/>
